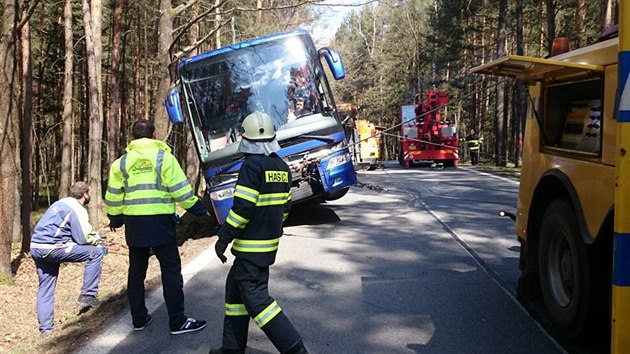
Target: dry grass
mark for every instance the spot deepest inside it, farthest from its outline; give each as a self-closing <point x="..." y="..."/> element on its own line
<point x="18" y="318"/>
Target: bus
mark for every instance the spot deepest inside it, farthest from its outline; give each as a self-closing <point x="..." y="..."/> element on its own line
<point x="281" y="75"/>
<point x="572" y="212"/>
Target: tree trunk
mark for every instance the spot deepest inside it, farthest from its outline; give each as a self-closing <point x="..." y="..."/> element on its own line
<point x="26" y="128"/>
<point x="8" y="133"/>
<point x="96" y="19"/>
<point x="550" y="5"/>
<point x="520" y="94"/>
<point x="165" y="38"/>
<point x="113" y="125"/>
<point x="66" y="117"/>
<point x="218" y="18"/>
<point x="95" y="130"/>
<point x="580" y="19"/>
<point x="192" y="160"/>
<point x="606" y="18"/>
<point x="501" y="120"/>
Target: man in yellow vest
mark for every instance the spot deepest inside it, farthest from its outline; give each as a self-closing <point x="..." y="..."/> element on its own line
<point x="143" y="188"/>
<point x="262" y="200"/>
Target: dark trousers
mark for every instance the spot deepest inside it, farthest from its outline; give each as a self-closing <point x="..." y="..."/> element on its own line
<point x="474" y="157"/>
<point x="247" y="295"/>
<point x="172" y="283"/>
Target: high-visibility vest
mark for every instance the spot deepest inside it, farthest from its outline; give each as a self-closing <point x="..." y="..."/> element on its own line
<point x="473" y="142"/>
<point x="147" y="180"/>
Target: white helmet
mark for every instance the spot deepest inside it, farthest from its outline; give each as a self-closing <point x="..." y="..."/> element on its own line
<point x="258" y="126"/>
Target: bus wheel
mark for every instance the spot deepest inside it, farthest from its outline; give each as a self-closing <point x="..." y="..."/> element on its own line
<point x="563" y="266"/>
<point x="336" y="194"/>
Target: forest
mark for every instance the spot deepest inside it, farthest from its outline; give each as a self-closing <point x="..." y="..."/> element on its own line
<point x="77" y="74"/>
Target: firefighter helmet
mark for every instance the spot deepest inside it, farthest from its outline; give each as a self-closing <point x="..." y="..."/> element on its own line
<point x="258" y="126"/>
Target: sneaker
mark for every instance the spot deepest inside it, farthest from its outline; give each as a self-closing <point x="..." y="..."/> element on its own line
<point x="191" y="325"/>
<point x="85" y="301"/>
<point x="144" y="325"/>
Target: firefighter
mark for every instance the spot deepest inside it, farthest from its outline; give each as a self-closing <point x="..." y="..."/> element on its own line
<point x="262" y="200"/>
<point x="473" y="141"/>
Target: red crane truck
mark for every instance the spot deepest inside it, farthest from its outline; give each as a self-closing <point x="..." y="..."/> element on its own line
<point x="425" y="135"/>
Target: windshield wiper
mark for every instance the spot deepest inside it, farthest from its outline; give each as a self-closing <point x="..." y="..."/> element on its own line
<point x="318" y="137"/>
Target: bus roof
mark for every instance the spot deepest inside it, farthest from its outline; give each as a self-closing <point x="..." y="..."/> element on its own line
<point x="240" y="45"/>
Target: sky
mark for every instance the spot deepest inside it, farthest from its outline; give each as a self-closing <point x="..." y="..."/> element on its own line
<point x="332" y="18"/>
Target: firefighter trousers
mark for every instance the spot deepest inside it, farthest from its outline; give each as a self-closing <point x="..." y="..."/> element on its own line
<point x="247" y="295"/>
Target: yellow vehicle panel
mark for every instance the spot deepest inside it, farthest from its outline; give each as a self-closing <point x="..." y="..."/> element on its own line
<point x="591" y="175"/>
<point x="591" y="172"/>
<point x="369" y="142"/>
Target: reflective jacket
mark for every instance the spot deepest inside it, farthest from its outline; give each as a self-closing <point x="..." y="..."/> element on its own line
<point x="262" y="200"/>
<point x="144" y="186"/>
<point x="473" y="141"/>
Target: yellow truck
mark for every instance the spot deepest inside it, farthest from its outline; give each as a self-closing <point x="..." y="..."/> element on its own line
<point x="363" y="137"/>
<point x="573" y="210"/>
<point x="369" y="143"/>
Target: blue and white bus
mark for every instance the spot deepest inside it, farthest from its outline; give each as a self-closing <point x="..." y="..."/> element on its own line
<point x="281" y="75"/>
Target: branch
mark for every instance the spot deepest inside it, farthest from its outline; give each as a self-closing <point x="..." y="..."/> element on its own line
<point x="185" y="51"/>
<point x="304" y="2"/>
<point x="190" y="23"/>
<point x="29" y="12"/>
<point x="181" y="8"/>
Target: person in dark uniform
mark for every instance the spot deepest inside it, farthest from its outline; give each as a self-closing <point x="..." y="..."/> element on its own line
<point x="473" y="141"/>
<point x="262" y="200"/>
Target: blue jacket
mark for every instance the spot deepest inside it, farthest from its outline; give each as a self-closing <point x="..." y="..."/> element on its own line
<point x="66" y="220"/>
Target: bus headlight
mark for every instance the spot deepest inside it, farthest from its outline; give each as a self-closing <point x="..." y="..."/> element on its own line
<point x="222" y="194"/>
<point x="338" y="161"/>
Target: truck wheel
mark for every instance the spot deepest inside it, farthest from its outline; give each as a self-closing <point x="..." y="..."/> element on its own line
<point x="564" y="270"/>
<point x="336" y="194"/>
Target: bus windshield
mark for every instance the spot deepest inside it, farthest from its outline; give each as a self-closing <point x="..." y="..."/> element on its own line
<point x="279" y="78"/>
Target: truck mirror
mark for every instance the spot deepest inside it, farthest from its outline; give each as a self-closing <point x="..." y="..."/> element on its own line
<point x="174" y="106"/>
<point x="334" y="62"/>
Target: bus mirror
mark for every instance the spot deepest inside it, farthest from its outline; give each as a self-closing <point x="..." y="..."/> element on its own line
<point x="334" y="62"/>
<point x="174" y="106"/>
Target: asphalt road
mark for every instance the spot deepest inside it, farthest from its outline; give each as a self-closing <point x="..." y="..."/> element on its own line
<point x="418" y="263"/>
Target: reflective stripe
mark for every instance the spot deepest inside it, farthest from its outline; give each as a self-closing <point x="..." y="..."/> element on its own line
<point x="115" y="190"/>
<point x="273" y="199"/>
<point x="235" y="310"/>
<point x="178" y="186"/>
<point x="236" y="220"/>
<point x="246" y="193"/>
<point x="267" y="314"/>
<point x="285" y="216"/>
<point x="140" y="201"/>
<point x="256" y="246"/>
<point x="145" y="187"/>
<point x="181" y="198"/>
<point x="158" y="169"/>
<point x="123" y="170"/>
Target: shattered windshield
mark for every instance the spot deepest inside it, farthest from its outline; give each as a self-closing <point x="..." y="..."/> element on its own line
<point x="278" y="78"/>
